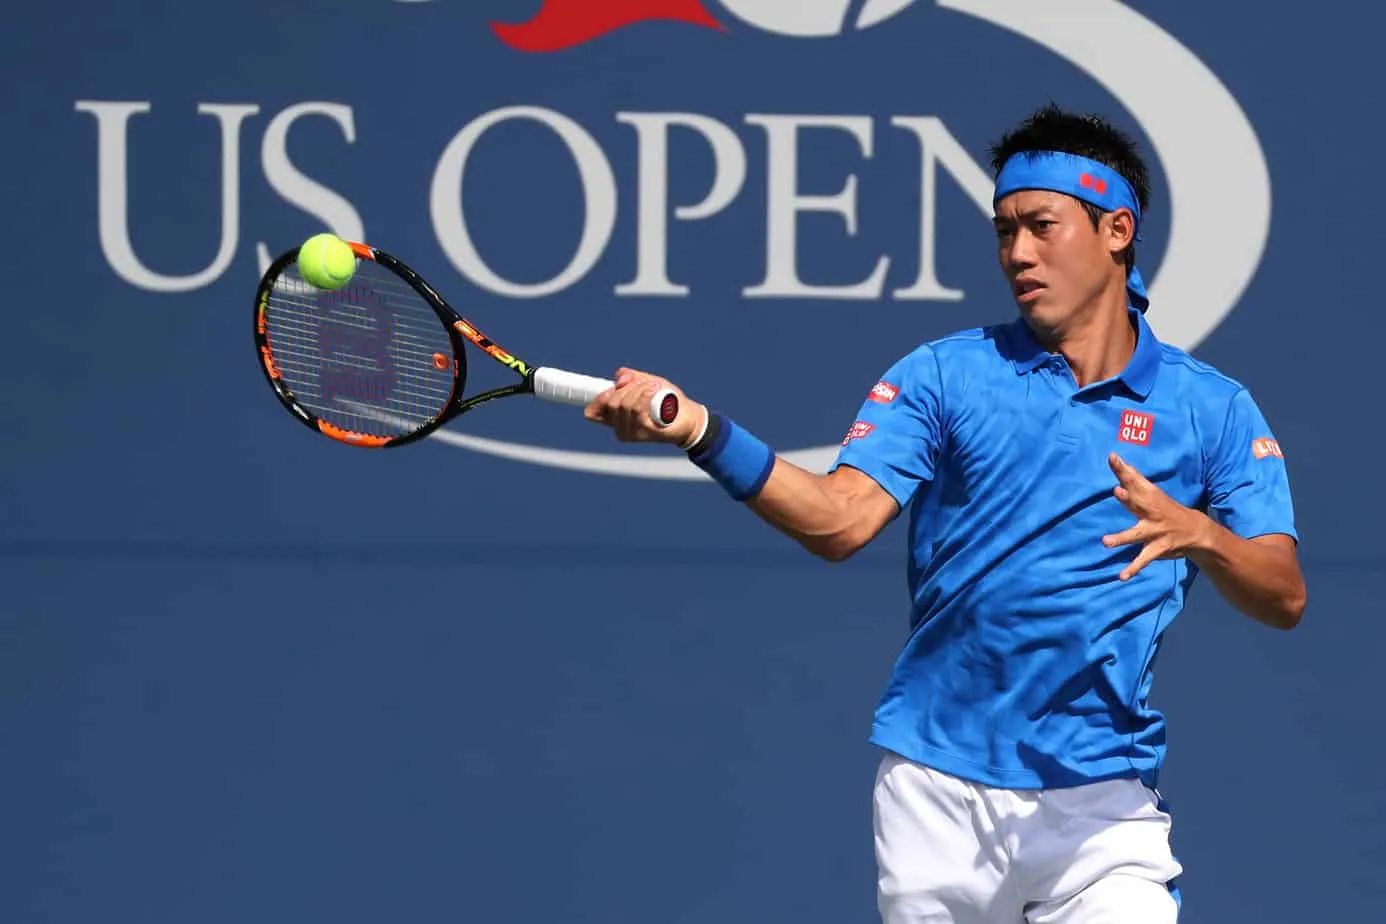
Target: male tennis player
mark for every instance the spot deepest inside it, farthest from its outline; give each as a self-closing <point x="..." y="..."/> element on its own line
<point x="1067" y="477"/>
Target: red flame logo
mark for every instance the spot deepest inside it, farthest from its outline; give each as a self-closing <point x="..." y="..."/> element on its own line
<point x="562" y="24"/>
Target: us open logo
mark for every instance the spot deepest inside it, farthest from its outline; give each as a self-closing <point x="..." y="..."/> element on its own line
<point x="1201" y="141"/>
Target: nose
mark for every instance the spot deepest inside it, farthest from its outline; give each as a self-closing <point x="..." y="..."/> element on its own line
<point x="1018" y="252"/>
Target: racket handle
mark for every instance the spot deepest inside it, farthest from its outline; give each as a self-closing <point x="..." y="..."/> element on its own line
<point x="571" y="388"/>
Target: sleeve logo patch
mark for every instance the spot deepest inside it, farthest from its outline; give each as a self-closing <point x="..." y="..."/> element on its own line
<point x="1264" y="448"/>
<point x="857" y="431"/>
<point x="883" y="393"/>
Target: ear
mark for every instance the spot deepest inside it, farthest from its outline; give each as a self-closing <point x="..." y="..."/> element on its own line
<point x="1121" y="230"/>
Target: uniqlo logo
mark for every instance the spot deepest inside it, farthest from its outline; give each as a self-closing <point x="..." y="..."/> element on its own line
<point x="857" y="431"/>
<point x="1135" y="428"/>
<point x="1265" y="448"/>
<point x="1088" y="181"/>
<point x="883" y="393"/>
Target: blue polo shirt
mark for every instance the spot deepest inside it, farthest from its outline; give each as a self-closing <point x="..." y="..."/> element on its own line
<point x="1028" y="663"/>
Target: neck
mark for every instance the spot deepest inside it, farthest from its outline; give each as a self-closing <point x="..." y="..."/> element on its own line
<point x="1098" y="342"/>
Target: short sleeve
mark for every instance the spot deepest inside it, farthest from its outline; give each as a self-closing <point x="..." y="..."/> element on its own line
<point x="1248" y="485"/>
<point x="898" y="431"/>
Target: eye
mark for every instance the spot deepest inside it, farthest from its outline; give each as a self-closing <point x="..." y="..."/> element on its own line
<point x="1044" y="224"/>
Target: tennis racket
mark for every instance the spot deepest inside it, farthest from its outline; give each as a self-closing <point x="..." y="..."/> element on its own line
<point x="382" y="361"/>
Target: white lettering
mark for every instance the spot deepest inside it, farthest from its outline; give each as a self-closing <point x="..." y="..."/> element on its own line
<point x="784" y="203"/>
<point x="937" y="145"/>
<point x="655" y="214"/>
<point x="336" y="213"/>
<point x="448" y="210"/>
<point x="729" y="174"/>
<point x="112" y="120"/>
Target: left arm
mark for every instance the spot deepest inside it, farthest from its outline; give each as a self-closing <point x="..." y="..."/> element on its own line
<point x="1249" y="549"/>
<point x="1259" y="576"/>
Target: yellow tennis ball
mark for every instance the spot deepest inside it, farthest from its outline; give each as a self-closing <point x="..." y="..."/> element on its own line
<point x="326" y="261"/>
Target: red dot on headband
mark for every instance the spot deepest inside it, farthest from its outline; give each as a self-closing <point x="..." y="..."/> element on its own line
<point x="1088" y="181"/>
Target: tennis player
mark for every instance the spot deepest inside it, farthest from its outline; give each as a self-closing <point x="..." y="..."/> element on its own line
<point x="1067" y="477"/>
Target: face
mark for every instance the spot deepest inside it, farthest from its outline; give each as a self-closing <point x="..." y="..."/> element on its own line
<point x="1058" y="265"/>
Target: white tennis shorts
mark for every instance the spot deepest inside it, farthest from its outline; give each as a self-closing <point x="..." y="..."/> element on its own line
<point x="953" y="851"/>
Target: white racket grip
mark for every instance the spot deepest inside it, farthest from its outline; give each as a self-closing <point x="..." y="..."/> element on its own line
<point x="568" y="387"/>
<point x="564" y="387"/>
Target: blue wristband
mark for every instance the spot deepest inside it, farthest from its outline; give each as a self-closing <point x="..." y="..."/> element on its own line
<point x="736" y="460"/>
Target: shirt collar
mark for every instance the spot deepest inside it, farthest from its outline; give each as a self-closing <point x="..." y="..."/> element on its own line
<point x="1139" y="375"/>
<point x="1026" y="353"/>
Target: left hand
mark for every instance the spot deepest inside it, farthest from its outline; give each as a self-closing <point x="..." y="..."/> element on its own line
<point x="1165" y="527"/>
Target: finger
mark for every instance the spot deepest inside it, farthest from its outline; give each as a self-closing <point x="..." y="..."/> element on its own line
<point x="1119" y="468"/>
<point x="1152" y="551"/>
<point x="597" y="412"/>
<point x="599" y="408"/>
<point x="633" y="399"/>
<point x="625" y="424"/>
<point x="1128" y="500"/>
<point x="626" y="376"/>
<point x="1138" y="533"/>
<point x="633" y="410"/>
<point x="1126" y="474"/>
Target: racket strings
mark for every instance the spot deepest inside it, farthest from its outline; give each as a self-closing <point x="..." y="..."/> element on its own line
<point x="372" y="357"/>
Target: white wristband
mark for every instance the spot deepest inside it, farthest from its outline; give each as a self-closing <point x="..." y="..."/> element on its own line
<point x="707" y="417"/>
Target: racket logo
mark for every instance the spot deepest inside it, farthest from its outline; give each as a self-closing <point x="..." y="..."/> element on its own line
<point x="669" y="408"/>
<point x="481" y="340"/>
<point x="269" y="363"/>
<point x="354" y="342"/>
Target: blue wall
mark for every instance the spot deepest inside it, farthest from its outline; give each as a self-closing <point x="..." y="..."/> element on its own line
<point x="247" y="674"/>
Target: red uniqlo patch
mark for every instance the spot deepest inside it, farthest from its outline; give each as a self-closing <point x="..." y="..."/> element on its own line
<point x="883" y="393"/>
<point x="1088" y="181"/>
<point x="1262" y="448"/>
<point x="1135" y="427"/>
<point x="858" y="430"/>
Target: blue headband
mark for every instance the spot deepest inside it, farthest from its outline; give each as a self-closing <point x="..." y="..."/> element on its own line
<point x="1082" y="179"/>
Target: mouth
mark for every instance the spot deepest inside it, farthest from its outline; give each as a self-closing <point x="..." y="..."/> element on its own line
<point x="1026" y="290"/>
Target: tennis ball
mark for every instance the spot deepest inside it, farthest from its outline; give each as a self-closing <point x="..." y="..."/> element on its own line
<point x="326" y="261"/>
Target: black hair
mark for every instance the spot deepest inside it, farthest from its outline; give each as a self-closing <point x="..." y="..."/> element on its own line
<point x="1086" y="135"/>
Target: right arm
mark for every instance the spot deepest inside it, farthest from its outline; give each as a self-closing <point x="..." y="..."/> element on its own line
<point x="832" y="515"/>
<point x="889" y="451"/>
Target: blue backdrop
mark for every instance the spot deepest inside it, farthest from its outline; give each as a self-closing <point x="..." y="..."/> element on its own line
<point x="247" y="674"/>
